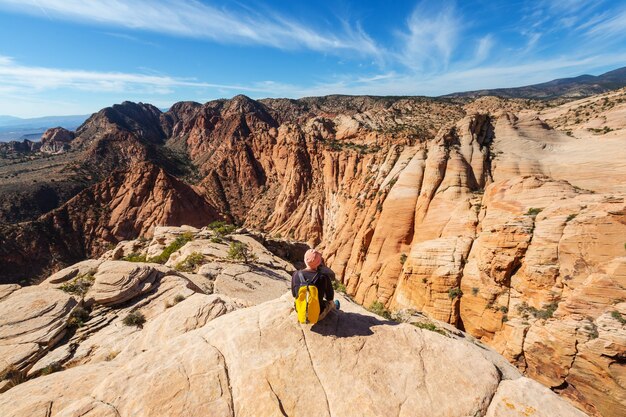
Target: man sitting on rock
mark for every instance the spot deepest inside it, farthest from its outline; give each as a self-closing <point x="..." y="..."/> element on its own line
<point x="319" y="275"/>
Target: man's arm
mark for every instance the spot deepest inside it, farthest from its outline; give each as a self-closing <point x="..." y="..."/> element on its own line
<point x="327" y="271"/>
<point x="294" y="284"/>
<point x="330" y="292"/>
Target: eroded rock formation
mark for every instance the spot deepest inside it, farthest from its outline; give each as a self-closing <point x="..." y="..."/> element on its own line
<point x="194" y="351"/>
<point x="503" y="217"/>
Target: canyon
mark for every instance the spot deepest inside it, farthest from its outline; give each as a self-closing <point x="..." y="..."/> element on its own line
<point x="503" y="217"/>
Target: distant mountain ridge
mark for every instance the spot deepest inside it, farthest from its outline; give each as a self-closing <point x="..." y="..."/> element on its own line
<point x="574" y="87"/>
<point x="17" y="128"/>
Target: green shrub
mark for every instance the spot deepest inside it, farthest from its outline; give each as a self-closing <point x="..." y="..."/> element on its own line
<point x="179" y="298"/>
<point x="135" y="257"/>
<point x="430" y="326"/>
<point x="455" y="293"/>
<point x="190" y="263"/>
<point x="474" y="290"/>
<point x="178" y="243"/>
<point x="221" y="228"/>
<point x="379" y="308"/>
<point x="52" y="368"/>
<point x="571" y="217"/>
<point x="78" y="317"/>
<point x="533" y="211"/>
<point x="618" y="316"/>
<point x="504" y="309"/>
<point x="79" y="285"/>
<point x="339" y="286"/>
<point x="134" y="319"/>
<point x="593" y="330"/>
<point x="240" y="251"/>
<point x="545" y="313"/>
<point x="216" y="239"/>
<point x="403" y="258"/>
<point x="424" y="280"/>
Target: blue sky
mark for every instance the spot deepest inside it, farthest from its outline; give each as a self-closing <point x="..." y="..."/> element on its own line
<point x="62" y="57"/>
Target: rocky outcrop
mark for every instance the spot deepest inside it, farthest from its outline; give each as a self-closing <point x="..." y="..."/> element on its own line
<point x="129" y="203"/>
<point x="196" y="351"/>
<point x="56" y="140"/>
<point x="33" y="320"/>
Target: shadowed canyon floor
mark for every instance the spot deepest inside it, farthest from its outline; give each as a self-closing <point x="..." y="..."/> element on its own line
<point x="238" y="351"/>
<point x="505" y="218"/>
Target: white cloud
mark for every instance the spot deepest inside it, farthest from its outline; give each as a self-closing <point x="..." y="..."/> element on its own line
<point x="431" y="38"/>
<point x="194" y="19"/>
<point x="608" y="26"/>
<point x="484" y="77"/>
<point x="29" y="78"/>
<point x="484" y="48"/>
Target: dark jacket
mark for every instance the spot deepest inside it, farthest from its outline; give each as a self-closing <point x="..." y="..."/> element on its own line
<point x="323" y="283"/>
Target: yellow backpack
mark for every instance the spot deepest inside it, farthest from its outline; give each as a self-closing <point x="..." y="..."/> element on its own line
<point x="307" y="301"/>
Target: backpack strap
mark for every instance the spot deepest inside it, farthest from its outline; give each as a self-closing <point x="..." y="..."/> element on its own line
<point x="303" y="280"/>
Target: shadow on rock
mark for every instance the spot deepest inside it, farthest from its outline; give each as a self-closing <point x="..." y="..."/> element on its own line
<point x="346" y="324"/>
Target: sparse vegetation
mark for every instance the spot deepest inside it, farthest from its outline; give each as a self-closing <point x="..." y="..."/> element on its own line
<point x="240" y="251"/>
<point x="379" y="308"/>
<point x="429" y="326"/>
<point x="474" y="291"/>
<point x="190" y="263"/>
<point x="618" y="316"/>
<point x="79" y="285"/>
<point x="604" y="130"/>
<point x="533" y="211"/>
<point x="216" y="239"/>
<point x="52" y="368"/>
<point x="571" y="217"/>
<point x="545" y="313"/>
<point x="135" y="318"/>
<point x="78" y="317"/>
<point x="135" y="257"/>
<point x="455" y="293"/>
<point x="403" y="258"/>
<point x="339" y="286"/>
<point x="593" y="330"/>
<point x="111" y="355"/>
<point x="178" y="243"/>
<point x="179" y="298"/>
<point x="13" y="375"/>
<point x="424" y="280"/>
<point x="337" y="145"/>
<point x="504" y="309"/>
<point x="221" y="228"/>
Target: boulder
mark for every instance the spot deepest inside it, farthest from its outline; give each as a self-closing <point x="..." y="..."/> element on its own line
<point x="119" y="281"/>
<point x="32" y="320"/>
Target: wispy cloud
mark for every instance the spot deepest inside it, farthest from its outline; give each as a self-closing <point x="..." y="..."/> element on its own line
<point x="608" y="26"/>
<point x="481" y="77"/>
<point x="194" y="19"/>
<point x="484" y="48"/>
<point x="431" y="37"/>
<point x="29" y="78"/>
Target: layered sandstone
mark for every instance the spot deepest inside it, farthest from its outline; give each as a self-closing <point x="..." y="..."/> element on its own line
<point x="198" y="352"/>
